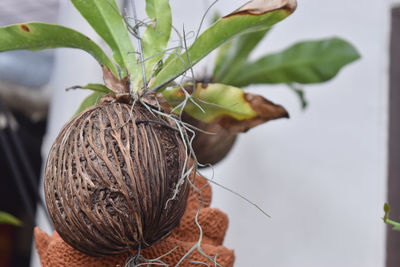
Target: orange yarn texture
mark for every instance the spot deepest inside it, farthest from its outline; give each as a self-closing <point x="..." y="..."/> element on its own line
<point x="54" y="252"/>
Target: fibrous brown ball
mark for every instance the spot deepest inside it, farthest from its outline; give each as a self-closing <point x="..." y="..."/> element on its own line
<point x="109" y="176"/>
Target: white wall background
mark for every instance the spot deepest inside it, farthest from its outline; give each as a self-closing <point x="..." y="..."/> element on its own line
<point x="321" y="174"/>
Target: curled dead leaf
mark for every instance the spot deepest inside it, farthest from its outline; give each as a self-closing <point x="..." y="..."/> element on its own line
<point x="115" y="84"/>
<point x="265" y="111"/>
<point x="212" y="148"/>
<point x="225" y="105"/>
<point x="222" y="110"/>
<point x="259" y="7"/>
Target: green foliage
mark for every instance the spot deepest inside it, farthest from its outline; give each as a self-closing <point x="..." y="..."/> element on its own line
<point x="300" y="94"/>
<point x="221" y="31"/>
<point x="6" y="218"/>
<point x="104" y="17"/>
<point x="96" y="87"/>
<point x="211" y="101"/>
<point x="237" y="34"/>
<point x="232" y="55"/>
<point x="229" y="106"/>
<point x="155" y="38"/>
<point x="396" y="225"/>
<point x="39" y="36"/>
<point x="305" y="63"/>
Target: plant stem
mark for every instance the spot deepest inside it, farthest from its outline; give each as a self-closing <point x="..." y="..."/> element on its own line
<point x="137" y="29"/>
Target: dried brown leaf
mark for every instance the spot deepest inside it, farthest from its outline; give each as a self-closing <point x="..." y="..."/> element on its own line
<point x="115" y="84"/>
<point x="259" y="7"/>
<point x="265" y="109"/>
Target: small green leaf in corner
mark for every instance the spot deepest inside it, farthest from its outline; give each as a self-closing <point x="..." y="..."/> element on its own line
<point x="386" y="208"/>
<point x="395" y="225"/>
<point x="6" y="218"/>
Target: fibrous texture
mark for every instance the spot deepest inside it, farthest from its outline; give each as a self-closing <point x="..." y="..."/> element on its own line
<point x="54" y="252"/>
<point x="109" y="176"/>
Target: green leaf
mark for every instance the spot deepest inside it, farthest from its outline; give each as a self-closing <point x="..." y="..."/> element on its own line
<point x="395" y="225"/>
<point x="386" y="209"/>
<point x="253" y="16"/>
<point x="104" y="17"/>
<point x="6" y="218"/>
<point x="91" y="100"/>
<point x="230" y="106"/>
<point x="305" y="62"/>
<point x="221" y="57"/>
<point x="300" y="94"/>
<point x="96" y="87"/>
<point x="155" y="38"/>
<point x="39" y="36"/>
<point x="229" y="62"/>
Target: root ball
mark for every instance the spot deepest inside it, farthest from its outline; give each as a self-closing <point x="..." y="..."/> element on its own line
<point x="109" y="176"/>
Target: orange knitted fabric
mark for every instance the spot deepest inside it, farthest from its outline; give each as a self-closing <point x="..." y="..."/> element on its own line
<point x="54" y="252"/>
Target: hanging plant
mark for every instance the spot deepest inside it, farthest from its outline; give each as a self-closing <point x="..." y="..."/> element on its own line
<point x="117" y="175"/>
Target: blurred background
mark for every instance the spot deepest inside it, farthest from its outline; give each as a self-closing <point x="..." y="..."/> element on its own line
<point x="323" y="175"/>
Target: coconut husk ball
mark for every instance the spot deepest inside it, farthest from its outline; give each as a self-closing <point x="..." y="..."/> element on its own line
<point x="110" y="177"/>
